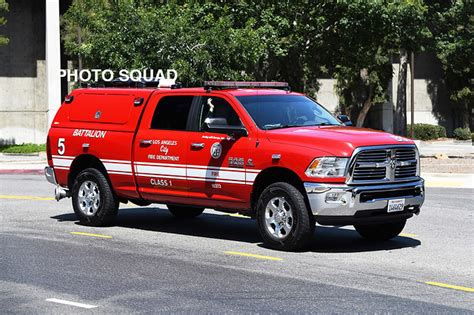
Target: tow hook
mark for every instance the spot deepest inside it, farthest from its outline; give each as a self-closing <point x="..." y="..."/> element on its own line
<point x="60" y="193"/>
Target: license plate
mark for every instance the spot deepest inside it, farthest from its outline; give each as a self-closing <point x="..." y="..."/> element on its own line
<point x="396" y="205"/>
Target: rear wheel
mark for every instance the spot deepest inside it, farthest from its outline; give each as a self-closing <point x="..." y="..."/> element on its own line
<point x="185" y="211"/>
<point x="283" y="220"/>
<point x="381" y="232"/>
<point x="93" y="199"/>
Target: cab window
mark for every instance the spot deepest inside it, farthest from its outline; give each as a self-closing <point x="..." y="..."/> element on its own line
<point x="172" y="113"/>
<point x="215" y="107"/>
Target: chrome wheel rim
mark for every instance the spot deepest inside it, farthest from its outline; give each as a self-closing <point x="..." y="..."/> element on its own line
<point x="89" y="198"/>
<point x="279" y="217"/>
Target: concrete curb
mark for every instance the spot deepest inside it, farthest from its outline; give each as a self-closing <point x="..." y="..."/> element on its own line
<point x="448" y="156"/>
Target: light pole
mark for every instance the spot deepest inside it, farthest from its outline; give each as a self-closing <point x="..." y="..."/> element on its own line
<point x="412" y="94"/>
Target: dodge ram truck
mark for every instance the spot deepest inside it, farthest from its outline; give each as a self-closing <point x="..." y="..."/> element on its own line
<point x="254" y="148"/>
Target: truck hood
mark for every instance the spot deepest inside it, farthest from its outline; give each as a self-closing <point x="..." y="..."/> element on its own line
<point x="336" y="140"/>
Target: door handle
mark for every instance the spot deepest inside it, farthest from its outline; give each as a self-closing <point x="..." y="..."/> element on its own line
<point x="146" y="142"/>
<point x="198" y="145"/>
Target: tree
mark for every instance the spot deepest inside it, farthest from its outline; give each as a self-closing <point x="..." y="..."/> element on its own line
<point x="409" y="34"/>
<point x="3" y="8"/>
<point x="452" y="25"/>
<point x="352" y="39"/>
<point x="200" y="41"/>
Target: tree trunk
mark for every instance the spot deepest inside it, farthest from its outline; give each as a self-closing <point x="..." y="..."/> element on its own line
<point x="465" y="122"/>
<point x="365" y="109"/>
<point x="400" y="117"/>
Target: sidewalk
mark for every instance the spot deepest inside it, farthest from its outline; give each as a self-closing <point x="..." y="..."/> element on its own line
<point x="446" y="148"/>
<point x="23" y="164"/>
<point x="449" y="180"/>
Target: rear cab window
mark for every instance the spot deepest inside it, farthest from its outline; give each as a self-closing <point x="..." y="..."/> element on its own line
<point x="172" y="113"/>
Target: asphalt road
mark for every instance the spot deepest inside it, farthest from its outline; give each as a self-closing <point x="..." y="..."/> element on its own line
<point x="150" y="262"/>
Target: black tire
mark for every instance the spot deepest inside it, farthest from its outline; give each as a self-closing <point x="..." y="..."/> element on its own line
<point x="300" y="232"/>
<point x="107" y="205"/>
<point x="185" y="212"/>
<point x="381" y="232"/>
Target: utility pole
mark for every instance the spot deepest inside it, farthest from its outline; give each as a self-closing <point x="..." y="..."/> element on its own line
<point x="412" y="94"/>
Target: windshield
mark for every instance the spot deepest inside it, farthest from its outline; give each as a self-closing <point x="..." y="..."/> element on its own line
<point x="284" y="111"/>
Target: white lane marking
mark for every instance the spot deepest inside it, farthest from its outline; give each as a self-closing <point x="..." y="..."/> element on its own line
<point x="59" y="301"/>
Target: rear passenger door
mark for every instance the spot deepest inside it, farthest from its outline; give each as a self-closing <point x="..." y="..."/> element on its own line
<point x="160" y="150"/>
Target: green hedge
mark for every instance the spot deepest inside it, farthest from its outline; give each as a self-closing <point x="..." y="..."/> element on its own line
<point x="462" y="133"/>
<point x="427" y="131"/>
<point x="23" y="148"/>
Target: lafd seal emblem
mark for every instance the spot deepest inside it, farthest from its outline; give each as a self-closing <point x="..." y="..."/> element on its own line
<point x="216" y="150"/>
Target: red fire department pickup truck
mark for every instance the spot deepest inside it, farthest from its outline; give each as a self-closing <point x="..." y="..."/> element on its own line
<point x="254" y="148"/>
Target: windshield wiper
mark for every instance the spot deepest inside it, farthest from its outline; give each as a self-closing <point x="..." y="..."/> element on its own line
<point x="279" y="126"/>
<point x="327" y="124"/>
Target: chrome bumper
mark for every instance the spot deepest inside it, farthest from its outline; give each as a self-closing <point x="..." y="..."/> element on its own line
<point x="333" y="200"/>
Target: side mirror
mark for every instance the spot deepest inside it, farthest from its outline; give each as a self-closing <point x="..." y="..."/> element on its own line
<point x="220" y="125"/>
<point x="345" y="120"/>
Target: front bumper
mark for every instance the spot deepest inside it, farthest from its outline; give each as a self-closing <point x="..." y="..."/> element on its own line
<point x="339" y="204"/>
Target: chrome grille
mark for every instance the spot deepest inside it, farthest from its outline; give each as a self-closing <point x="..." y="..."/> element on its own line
<point x="407" y="163"/>
<point x="366" y="167"/>
<point x="384" y="164"/>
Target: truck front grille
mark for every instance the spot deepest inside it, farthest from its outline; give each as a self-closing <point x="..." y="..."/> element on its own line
<point x="386" y="164"/>
<point x="370" y="165"/>
<point x="409" y="165"/>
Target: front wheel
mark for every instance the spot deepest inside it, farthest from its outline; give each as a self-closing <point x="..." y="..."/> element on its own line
<point x="184" y="212"/>
<point x="283" y="219"/>
<point x="93" y="199"/>
<point x="381" y="232"/>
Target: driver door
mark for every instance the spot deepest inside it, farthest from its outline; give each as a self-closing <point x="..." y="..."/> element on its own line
<point x="216" y="161"/>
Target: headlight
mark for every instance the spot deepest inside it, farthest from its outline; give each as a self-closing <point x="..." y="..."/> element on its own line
<point x="328" y="166"/>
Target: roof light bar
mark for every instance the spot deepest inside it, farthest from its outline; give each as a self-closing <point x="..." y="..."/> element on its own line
<point x="209" y="85"/>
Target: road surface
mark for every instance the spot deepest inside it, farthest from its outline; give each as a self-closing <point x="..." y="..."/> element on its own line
<point x="151" y="262"/>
